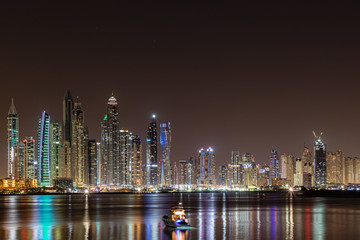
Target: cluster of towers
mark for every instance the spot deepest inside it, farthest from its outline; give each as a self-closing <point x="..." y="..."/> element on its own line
<point x="322" y="169"/>
<point x="64" y="150"/>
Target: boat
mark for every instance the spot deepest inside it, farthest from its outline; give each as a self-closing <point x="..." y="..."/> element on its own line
<point x="176" y="218"/>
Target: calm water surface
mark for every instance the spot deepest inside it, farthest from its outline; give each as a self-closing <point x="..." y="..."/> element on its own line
<point x="213" y="216"/>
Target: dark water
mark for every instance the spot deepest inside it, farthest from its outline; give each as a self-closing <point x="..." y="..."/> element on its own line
<point x="213" y="216"/>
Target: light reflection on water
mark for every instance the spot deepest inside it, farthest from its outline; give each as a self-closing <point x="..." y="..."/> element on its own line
<point x="213" y="216"/>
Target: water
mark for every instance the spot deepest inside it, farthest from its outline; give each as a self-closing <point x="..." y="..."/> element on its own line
<point x="213" y="216"/>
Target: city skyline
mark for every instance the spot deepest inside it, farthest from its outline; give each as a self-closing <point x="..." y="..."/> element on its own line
<point x="244" y="83"/>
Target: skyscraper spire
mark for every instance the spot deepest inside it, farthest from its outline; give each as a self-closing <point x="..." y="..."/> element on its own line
<point x="12" y="138"/>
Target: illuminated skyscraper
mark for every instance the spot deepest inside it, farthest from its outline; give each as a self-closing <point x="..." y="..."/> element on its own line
<point x="92" y="162"/>
<point x="207" y="167"/>
<point x="110" y="158"/>
<point x="182" y="172"/>
<point x="55" y="149"/>
<point x="12" y="139"/>
<point x="136" y="160"/>
<point x="66" y="162"/>
<point x="320" y="161"/>
<point x="78" y="146"/>
<point x="223" y="175"/>
<point x="249" y="170"/>
<point x="298" y="178"/>
<point x="274" y="165"/>
<point x="308" y="168"/>
<point x="43" y="152"/>
<point x="236" y="166"/>
<point x="287" y="168"/>
<point x="165" y="144"/>
<point x="98" y="162"/>
<point x="125" y="157"/>
<point x="31" y="165"/>
<point x="334" y="167"/>
<point x="20" y="162"/>
<point x="152" y="170"/>
<point x="191" y="172"/>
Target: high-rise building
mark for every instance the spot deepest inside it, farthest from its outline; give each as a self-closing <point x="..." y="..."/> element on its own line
<point x="20" y="162"/>
<point x="55" y="150"/>
<point x="263" y="175"/>
<point x="223" y="175"/>
<point x="175" y="175"/>
<point x="165" y="144"/>
<point x="66" y="161"/>
<point x="125" y="157"/>
<point x="182" y="172"/>
<point x="31" y="165"/>
<point x="152" y="170"/>
<point x="207" y="167"/>
<point x="334" y="167"/>
<point x="98" y="162"/>
<point x="249" y="170"/>
<point x="298" y="178"/>
<point x="191" y="173"/>
<point x="12" y="139"/>
<point x="320" y="162"/>
<point x="110" y="159"/>
<point x="287" y="168"/>
<point x="136" y="160"/>
<point x="274" y="165"/>
<point x="43" y="153"/>
<point x="236" y="168"/>
<point x="308" y="168"/>
<point x="79" y="146"/>
<point x="92" y="163"/>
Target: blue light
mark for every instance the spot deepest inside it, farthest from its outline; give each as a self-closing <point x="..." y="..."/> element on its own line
<point x="148" y="140"/>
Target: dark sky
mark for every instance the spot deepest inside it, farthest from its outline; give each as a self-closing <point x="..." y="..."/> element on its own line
<point x="234" y="76"/>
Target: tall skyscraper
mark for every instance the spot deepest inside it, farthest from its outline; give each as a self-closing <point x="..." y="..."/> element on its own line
<point x="136" y="160"/>
<point x="320" y="161"/>
<point x="182" y="172"/>
<point x="152" y="170"/>
<point x="55" y="150"/>
<point x="249" y="170"/>
<point x="175" y="175"/>
<point x="223" y="175"/>
<point x="92" y="162"/>
<point x="207" y="167"/>
<point x="334" y="167"/>
<point x="274" y="165"/>
<point x="191" y="172"/>
<point x="165" y="144"/>
<point x="110" y="159"/>
<point x="12" y="139"/>
<point x="20" y="162"/>
<point x="66" y="162"/>
<point x="308" y="168"/>
<point x="298" y="178"/>
<point x="31" y="165"/>
<point x="287" y="168"/>
<point x="98" y="162"/>
<point x="125" y="157"/>
<point x="235" y="168"/>
<point x="79" y="146"/>
<point x="43" y="154"/>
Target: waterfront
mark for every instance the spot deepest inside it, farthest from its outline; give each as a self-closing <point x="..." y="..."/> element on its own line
<point x="241" y="215"/>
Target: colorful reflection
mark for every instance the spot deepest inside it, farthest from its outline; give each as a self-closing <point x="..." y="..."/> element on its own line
<point x="211" y="215"/>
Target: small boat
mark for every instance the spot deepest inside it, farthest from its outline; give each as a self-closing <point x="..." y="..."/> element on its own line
<point x="176" y="218"/>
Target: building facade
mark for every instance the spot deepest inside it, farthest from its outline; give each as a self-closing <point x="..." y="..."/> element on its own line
<point x="165" y="144"/>
<point x="43" y="150"/>
<point x="152" y="165"/>
<point x="12" y="139"/>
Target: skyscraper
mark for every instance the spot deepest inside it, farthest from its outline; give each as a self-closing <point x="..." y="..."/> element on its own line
<point x="152" y="170"/>
<point x="320" y="161"/>
<point x="12" y="138"/>
<point x="43" y="154"/>
<point x="20" y="162"/>
<point x="236" y="165"/>
<point x="249" y="170"/>
<point x="136" y="160"/>
<point x="55" y="149"/>
<point x="182" y="172"/>
<point x="110" y="158"/>
<point x="98" y="162"/>
<point x="334" y="167"/>
<point x="274" y="165"/>
<point x="78" y="146"/>
<point x="298" y="178"/>
<point x="92" y="163"/>
<point x="308" y="168"/>
<point x="31" y="165"/>
<point x="207" y="167"/>
<point x="125" y="157"/>
<point x="66" y="162"/>
<point x="287" y="168"/>
<point x="165" y="144"/>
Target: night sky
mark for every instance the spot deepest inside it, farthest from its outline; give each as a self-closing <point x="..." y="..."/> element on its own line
<point x="235" y="77"/>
